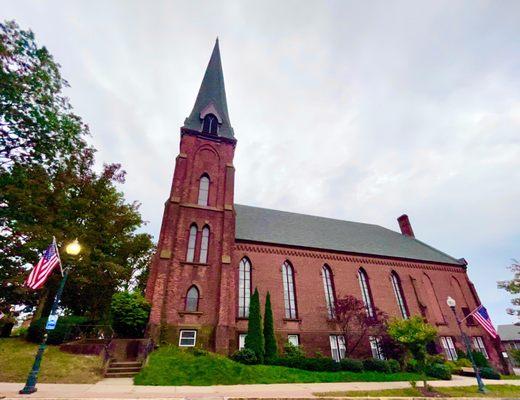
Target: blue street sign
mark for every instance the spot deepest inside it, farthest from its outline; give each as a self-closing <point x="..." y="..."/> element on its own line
<point x="51" y="322"/>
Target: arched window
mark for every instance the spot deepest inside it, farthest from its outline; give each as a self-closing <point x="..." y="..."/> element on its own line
<point x="328" y="287"/>
<point x="204" y="245"/>
<point x="203" y="190"/>
<point x="432" y="301"/>
<point x="288" y="291"/>
<point x="210" y="124"/>
<point x="190" y="254"/>
<point x="192" y="299"/>
<point x="244" y="287"/>
<point x="365" y="292"/>
<point x="398" y="291"/>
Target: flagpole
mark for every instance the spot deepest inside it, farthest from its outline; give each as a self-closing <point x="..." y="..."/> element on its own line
<point x="58" y="254"/>
<point x="32" y="378"/>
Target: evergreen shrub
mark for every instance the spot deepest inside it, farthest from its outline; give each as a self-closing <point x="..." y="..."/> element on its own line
<point x="271" y="348"/>
<point x="245" y="356"/>
<point x="394" y="365"/>
<point x="349" y="364"/>
<point x="373" y="364"/>
<point x="489" y="373"/>
<point x="439" y="371"/>
<point x="255" y="338"/>
<point x="480" y="360"/>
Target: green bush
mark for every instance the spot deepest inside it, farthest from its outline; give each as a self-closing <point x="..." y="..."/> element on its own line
<point x="245" y="356"/>
<point x="412" y="365"/>
<point x="454" y="368"/>
<point x="489" y="373"/>
<point x="439" y="371"/>
<point x="515" y="355"/>
<point x="58" y="335"/>
<point x="463" y="362"/>
<point x="394" y="365"/>
<point x="292" y="351"/>
<point x="480" y="360"/>
<point x="310" y="364"/>
<point x="349" y="364"/>
<point x="373" y="364"/>
<point x="129" y="313"/>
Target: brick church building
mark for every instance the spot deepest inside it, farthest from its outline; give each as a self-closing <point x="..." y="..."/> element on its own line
<point x="212" y="253"/>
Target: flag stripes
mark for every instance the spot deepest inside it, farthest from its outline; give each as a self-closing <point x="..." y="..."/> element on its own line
<point x="43" y="268"/>
<point x="482" y="317"/>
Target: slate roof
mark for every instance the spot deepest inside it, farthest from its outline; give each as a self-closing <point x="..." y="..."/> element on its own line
<point x="286" y="228"/>
<point x="212" y="92"/>
<point x="509" y="332"/>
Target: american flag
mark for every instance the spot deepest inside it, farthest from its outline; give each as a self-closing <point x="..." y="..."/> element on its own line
<point x="44" y="268"/>
<point x="482" y="317"/>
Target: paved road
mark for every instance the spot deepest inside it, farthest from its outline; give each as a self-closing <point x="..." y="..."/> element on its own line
<point x="122" y="388"/>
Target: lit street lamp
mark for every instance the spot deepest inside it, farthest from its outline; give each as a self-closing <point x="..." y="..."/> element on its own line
<point x="73" y="249"/>
<point x="451" y="304"/>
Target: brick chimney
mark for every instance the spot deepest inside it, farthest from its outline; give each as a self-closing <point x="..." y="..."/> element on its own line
<point x="406" y="227"/>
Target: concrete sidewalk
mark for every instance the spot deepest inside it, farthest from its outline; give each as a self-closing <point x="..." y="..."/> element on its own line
<point x="123" y="388"/>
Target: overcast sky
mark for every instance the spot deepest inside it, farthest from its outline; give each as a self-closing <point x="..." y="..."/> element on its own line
<point x="352" y="110"/>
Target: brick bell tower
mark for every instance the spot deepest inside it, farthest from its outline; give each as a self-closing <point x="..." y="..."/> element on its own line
<point x="190" y="275"/>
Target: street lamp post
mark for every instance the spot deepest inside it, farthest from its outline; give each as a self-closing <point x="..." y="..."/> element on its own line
<point x="73" y="249"/>
<point x="451" y="304"/>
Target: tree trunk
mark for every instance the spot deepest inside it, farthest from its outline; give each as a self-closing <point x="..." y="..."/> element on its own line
<point x="41" y="305"/>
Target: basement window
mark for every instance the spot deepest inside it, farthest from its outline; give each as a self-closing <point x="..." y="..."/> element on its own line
<point x="187" y="338"/>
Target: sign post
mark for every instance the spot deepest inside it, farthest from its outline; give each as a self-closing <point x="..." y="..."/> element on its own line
<point x="32" y="378"/>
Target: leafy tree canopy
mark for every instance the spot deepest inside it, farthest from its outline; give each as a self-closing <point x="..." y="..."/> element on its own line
<point x="129" y="313"/>
<point x="513" y="287"/>
<point x="355" y="324"/>
<point x="37" y="125"/>
<point x="49" y="187"/>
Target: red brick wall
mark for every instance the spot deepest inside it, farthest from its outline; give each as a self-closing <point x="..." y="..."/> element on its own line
<point x="171" y="276"/>
<point x="216" y="319"/>
<point x="314" y="327"/>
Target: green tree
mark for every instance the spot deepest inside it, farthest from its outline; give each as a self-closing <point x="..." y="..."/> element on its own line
<point x="414" y="334"/>
<point x="129" y="313"/>
<point x="48" y="188"/>
<point x="271" y="349"/>
<point x="37" y="125"/>
<point x="513" y="287"/>
<point x="255" y="338"/>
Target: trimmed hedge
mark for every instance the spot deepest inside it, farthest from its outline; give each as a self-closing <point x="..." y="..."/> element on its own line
<point x="394" y="365"/>
<point x="59" y="334"/>
<point x="373" y="364"/>
<point x="245" y="356"/>
<point x="489" y="373"/>
<point x="349" y="364"/>
<point x="439" y="371"/>
<point x="309" y="364"/>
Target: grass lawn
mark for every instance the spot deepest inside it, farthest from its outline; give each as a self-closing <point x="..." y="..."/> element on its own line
<point x="461" y="391"/>
<point x="172" y="366"/>
<point x="17" y="356"/>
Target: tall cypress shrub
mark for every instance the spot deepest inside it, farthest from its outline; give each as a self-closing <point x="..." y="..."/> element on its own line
<point x="255" y="338"/>
<point x="271" y="348"/>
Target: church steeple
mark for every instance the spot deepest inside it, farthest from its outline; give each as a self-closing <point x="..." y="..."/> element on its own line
<point x="210" y="112"/>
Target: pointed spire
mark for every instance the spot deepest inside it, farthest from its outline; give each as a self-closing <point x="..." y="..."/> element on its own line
<point x="211" y="98"/>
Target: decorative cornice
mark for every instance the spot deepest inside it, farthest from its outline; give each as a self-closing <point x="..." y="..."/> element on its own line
<point x="331" y="256"/>
<point x="191" y="205"/>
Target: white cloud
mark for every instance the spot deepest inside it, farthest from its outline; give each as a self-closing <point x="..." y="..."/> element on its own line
<point x="352" y="110"/>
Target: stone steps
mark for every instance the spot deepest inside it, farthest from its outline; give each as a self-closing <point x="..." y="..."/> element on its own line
<point x="123" y="369"/>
